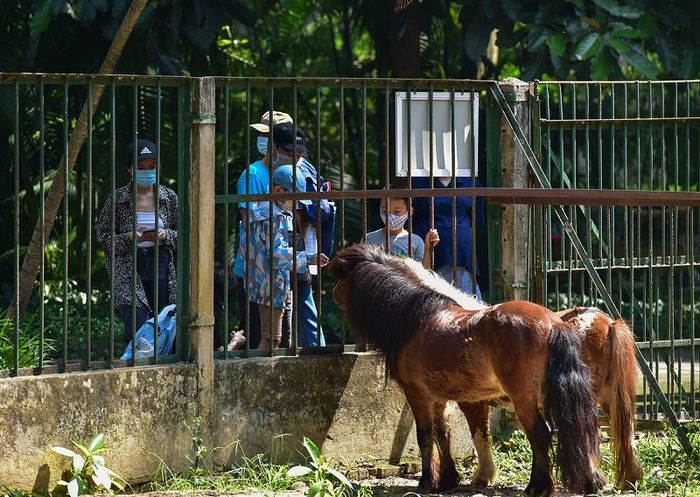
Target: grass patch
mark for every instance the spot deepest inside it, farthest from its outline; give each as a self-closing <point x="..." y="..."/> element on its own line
<point x="667" y="470"/>
<point x="254" y="473"/>
<point x="259" y="472"/>
<point x="666" y="467"/>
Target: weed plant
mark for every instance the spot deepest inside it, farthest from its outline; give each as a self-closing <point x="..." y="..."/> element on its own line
<point x="253" y="473"/>
<point x="323" y="479"/>
<point x="87" y="473"/>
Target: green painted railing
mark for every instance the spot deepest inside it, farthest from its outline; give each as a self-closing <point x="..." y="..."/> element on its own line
<point x="70" y="322"/>
<point x="624" y="136"/>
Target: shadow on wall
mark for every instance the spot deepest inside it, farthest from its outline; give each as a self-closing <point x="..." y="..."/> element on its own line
<point x="260" y="399"/>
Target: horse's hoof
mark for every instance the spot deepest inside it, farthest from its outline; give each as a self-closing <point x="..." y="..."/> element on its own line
<point x="532" y="491"/>
<point x="596" y="484"/>
<point x="448" y="480"/>
<point x="479" y="481"/>
<point x="631" y="477"/>
<point x="425" y="484"/>
<point x="485" y="476"/>
<point x="599" y="479"/>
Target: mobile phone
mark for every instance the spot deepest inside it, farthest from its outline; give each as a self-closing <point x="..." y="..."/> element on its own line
<point x="148" y="230"/>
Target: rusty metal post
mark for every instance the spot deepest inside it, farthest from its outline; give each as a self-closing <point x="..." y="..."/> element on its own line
<point x="201" y="198"/>
<point x="515" y="219"/>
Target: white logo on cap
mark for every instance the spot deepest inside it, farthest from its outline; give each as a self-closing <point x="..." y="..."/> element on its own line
<point x="145" y="150"/>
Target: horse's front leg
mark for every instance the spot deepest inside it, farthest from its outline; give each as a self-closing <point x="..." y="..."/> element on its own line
<point x="422" y="412"/>
<point x="477" y="415"/>
<point x="449" y="478"/>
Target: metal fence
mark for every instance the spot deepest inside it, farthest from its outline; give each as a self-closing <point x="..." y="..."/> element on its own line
<point x="600" y="247"/>
<point x="350" y="130"/>
<point x="624" y="136"/>
<point x="69" y="323"/>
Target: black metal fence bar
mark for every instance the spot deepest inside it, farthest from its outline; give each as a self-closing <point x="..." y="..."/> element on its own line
<point x="42" y="220"/>
<point x="66" y="231"/>
<point x="15" y="355"/>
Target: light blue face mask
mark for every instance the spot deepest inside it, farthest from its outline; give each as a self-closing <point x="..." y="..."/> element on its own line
<point x="262" y="144"/>
<point x="145" y="177"/>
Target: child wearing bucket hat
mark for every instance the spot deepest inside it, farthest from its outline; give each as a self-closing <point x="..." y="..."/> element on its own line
<point x="271" y="261"/>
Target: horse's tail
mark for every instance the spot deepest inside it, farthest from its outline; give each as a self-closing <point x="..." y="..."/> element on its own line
<point x="569" y="404"/>
<point x="622" y="383"/>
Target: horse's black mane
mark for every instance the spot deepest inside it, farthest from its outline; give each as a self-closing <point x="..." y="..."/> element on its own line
<point x="386" y="302"/>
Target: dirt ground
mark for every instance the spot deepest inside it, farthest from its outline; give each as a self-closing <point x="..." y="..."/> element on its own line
<point x="394" y="486"/>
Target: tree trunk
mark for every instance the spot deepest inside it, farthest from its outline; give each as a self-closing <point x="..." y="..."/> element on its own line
<point x="34" y="255"/>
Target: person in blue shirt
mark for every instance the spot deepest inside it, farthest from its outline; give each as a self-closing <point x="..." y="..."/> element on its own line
<point x="443" y="254"/>
<point x="255" y="179"/>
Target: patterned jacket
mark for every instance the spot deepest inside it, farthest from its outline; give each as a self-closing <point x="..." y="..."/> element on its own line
<point x="123" y="224"/>
<point x="282" y="255"/>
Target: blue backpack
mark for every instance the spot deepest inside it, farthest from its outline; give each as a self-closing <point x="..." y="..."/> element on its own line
<point x="145" y="343"/>
<point x="320" y="212"/>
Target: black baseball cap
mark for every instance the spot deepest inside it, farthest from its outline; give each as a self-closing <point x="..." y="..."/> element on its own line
<point x="283" y="137"/>
<point x="145" y="149"/>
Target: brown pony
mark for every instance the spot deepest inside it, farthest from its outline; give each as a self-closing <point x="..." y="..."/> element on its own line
<point x="437" y="350"/>
<point x="608" y="349"/>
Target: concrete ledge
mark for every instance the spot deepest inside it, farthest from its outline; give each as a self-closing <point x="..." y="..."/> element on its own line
<point x="342" y="402"/>
<point x="140" y="411"/>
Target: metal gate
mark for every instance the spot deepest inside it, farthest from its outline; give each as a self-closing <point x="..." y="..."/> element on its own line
<point x="638" y="261"/>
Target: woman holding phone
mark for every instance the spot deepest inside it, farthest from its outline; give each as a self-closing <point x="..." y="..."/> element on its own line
<point x="148" y="231"/>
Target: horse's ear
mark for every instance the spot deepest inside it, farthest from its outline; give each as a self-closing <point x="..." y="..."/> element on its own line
<point x="349" y="258"/>
<point x="338" y="267"/>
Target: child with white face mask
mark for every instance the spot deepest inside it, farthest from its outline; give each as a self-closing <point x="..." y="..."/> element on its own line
<point x="395" y="213"/>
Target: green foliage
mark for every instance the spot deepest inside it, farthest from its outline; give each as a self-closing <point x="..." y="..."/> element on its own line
<point x="322" y="478"/>
<point x="77" y="323"/>
<point x="253" y="473"/>
<point x="14" y="492"/>
<point x="666" y="467"/>
<point x="28" y="344"/>
<point x="513" y="458"/>
<point x="88" y="473"/>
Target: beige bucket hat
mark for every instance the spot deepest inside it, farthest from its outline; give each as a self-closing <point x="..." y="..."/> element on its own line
<point x="277" y="118"/>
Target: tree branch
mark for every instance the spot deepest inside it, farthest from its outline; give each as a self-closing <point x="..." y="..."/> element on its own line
<point x="34" y="256"/>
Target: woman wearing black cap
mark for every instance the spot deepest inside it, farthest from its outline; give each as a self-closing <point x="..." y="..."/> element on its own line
<point x="148" y="232"/>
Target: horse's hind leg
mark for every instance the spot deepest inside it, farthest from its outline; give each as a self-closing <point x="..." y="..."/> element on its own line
<point x="477" y="415"/>
<point x="422" y="412"/>
<point x="541" y="482"/>
<point x="448" y="478"/>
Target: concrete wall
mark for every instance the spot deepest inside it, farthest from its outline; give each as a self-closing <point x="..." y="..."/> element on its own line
<point x="341" y="402"/>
